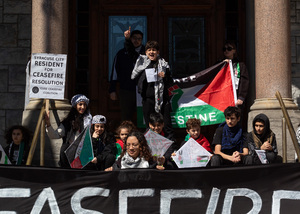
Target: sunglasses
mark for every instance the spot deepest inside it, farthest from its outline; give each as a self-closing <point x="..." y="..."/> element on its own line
<point x="228" y="48"/>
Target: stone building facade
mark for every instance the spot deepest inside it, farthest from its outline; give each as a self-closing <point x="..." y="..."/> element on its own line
<point x="15" y="47"/>
<point x="295" y="49"/>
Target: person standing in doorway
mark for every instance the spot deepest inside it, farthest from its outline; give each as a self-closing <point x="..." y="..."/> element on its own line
<point x="123" y="65"/>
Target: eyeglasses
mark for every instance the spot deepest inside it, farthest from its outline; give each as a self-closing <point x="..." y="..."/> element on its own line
<point x="133" y="145"/>
<point x="137" y="38"/>
<point x="228" y="48"/>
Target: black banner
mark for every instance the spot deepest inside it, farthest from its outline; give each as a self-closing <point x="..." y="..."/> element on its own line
<point x="248" y="189"/>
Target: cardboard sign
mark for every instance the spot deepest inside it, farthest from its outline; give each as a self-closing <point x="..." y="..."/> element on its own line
<point x="47" y="76"/>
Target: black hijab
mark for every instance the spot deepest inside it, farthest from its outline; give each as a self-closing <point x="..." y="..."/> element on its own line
<point x="267" y="131"/>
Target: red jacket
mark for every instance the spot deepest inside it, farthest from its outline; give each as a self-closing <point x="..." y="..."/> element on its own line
<point x="203" y="142"/>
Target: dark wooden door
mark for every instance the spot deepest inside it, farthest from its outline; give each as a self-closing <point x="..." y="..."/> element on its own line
<point x="160" y="15"/>
<point x="173" y="23"/>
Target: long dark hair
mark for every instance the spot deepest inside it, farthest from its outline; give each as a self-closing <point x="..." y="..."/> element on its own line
<point x="27" y="134"/>
<point x="145" y="150"/>
<point x="74" y="120"/>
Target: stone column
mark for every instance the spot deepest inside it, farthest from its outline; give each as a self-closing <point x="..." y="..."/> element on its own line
<point x="273" y="66"/>
<point x="49" y="35"/>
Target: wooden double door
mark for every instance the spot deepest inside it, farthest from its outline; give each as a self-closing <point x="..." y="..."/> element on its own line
<point x="190" y="33"/>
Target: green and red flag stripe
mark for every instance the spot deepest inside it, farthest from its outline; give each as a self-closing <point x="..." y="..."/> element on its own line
<point x="204" y="95"/>
<point x="80" y="152"/>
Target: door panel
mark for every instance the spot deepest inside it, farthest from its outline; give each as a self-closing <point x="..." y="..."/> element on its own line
<point x="182" y="30"/>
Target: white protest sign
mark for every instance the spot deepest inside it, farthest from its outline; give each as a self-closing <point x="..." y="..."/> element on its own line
<point x="47" y="76"/>
<point x="191" y="154"/>
<point x="3" y="157"/>
<point x="157" y="143"/>
<point x="262" y="156"/>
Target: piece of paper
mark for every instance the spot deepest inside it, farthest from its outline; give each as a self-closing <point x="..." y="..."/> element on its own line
<point x="262" y="156"/>
<point x="151" y="75"/>
<point x="157" y="143"/>
<point x="192" y="154"/>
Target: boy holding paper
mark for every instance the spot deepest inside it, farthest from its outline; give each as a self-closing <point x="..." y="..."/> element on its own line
<point x="193" y="127"/>
<point x="156" y="124"/>
<point x="153" y="77"/>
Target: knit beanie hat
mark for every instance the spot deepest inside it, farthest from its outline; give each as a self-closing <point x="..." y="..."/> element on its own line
<point x="79" y="98"/>
<point x="99" y="119"/>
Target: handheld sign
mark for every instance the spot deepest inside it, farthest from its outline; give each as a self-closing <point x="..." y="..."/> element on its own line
<point x="47" y="76"/>
<point x="262" y="156"/>
<point x="157" y="143"/>
<point x="191" y="154"/>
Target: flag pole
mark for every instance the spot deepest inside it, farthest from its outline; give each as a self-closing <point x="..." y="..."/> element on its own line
<point x="42" y="136"/>
<point x="35" y="136"/>
<point x="289" y="123"/>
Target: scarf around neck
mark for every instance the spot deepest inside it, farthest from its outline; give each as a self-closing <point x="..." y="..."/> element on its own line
<point x="128" y="162"/>
<point x="232" y="137"/>
<point x="259" y="141"/>
<point x="141" y="64"/>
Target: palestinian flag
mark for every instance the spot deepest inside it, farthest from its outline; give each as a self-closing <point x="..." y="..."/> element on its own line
<point x="204" y="95"/>
<point x="80" y="152"/>
<point x="3" y="157"/>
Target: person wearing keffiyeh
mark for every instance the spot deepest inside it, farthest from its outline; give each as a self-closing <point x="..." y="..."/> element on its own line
<point x="70" y="128"/>
<point x="154" y="91"/>
<point x="229" y="142"/>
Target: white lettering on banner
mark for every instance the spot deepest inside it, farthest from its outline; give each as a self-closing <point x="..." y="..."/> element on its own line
<point x="212" y="116"/>
<point x="254" y="196"/>
<point x="13" y="193"/>
<point x="203" y="117"/>
<point x="129" y="193"/>
<point x="282" y="194"/>
<point x="87" y="192"/>
<point x="166" y="197"/>
<point x="213" y="201"/>
<point x="180" y="120"/>
<point x="185" y="79"/>
<point x="46" y="195"/>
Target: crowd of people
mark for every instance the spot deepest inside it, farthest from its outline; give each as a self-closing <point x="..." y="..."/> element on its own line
<point x="126" y="147"/>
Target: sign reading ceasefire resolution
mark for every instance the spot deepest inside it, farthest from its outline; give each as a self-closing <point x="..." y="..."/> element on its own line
<point x="47" y="76"/>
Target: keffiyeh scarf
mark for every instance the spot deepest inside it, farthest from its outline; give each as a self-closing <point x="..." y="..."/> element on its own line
<point x="128" y="162"/>
<point x="141" y="64"/>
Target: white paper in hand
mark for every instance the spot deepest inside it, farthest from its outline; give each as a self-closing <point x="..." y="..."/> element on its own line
<point x="157" y="143"/>
<point x="192" y="154"/>
<point x="262" y="156"/>
<point x="151" y="75"/>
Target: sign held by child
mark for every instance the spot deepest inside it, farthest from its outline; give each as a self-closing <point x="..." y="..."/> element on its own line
<point x="192" y="154"/>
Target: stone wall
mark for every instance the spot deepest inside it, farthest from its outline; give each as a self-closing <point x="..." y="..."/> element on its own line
<point x="295" y="46"/>
<point x="15" y="46"/>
